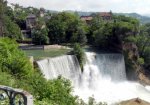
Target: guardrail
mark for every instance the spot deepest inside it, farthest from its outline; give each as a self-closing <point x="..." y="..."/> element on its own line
<point x="11" y="93"/>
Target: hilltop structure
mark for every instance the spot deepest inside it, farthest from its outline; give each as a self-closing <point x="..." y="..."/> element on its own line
<point x="106" y="16"/>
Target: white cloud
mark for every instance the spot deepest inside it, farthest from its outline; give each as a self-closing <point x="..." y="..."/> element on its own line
<point x="139" y="6"/>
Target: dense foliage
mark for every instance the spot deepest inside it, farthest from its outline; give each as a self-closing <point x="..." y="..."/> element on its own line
<point x="16" y="71"/>
<point x="12" y="30"/>
<point x="143" y="43"/>
<point x="12" y="60"/>
<point x="66" y="27"/>
<point x="40" y="36"/>
<point x="8" y="26"/>
<point x="78" y="51"/>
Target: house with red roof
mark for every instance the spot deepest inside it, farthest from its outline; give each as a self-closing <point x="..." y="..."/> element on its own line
<point x="106" y="16"/>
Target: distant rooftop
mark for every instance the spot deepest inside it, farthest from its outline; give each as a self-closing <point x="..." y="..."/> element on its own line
<point x="105" y="14"/>
<point x="31" y="16"/>
<point x="86" y="18"/>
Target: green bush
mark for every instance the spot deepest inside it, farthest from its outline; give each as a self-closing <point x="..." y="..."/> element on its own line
<point x="16" y="71"/>
<point x="12" y="60"/>
<point x="78" y="51"/>
<point x="140" y="61"/>
<point x="40" y="36"/>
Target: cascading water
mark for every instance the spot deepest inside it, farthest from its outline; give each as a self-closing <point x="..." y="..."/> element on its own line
<point x="67" y="66"/>
<point x="104" y="77"/>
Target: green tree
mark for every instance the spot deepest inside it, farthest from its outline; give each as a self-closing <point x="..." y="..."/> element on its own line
<point x="13" y="60"/>
<point x="66" y="27"/>
<point x="95" y="25"/>
<point x="56" y="30"/>
<point x="40" y="36"/>
<point x="146" y="56"/>
<point x="103" y="35"/>
<point x="56" y="91"/>
<point x="1" y="17"/>
<point x="12" y="30"/>
<point x="81" y="35"/>
<point x="78" y="51"/>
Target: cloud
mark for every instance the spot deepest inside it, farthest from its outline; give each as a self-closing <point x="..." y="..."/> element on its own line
<point x="139" y="6"/>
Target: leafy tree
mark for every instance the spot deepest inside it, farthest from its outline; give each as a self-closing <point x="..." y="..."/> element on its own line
<point x="21" y="23"/>
<point x="7" y="26"/>
<point x="66" y="27"/>
<point x="1" y="17"/>
<point x="78" y="51"/>
<point x="76" y="30"/>
<point x="56" y="30"/>
<point x="40" y="36"/>
<point x="140" y="61"/>
<point x="143" y="43"/>
<point x="81" y="35"/>
<point x="103" y="35"/>
<point x="12" y="30"/>
<point x="56" y="91"/>
<point x="13" y="60"/>
<point x="126" y="26"/>
<point x="91" y="101"/>
<point x="95" y="25"/>
<point x="9" y="12"/>
<point x="146" y="56"/>
<point x="6" y="79"/>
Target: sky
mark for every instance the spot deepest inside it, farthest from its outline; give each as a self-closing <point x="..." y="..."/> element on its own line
<point x="119" y="6"/>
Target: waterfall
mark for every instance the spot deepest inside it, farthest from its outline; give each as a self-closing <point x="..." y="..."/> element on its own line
<point x="66" y="66"/>
<point x="104" y="77"/>
<point x="103" y="67"/>
<point x="111" y="65"/>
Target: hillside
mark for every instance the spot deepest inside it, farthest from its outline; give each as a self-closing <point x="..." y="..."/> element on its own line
<point x="143" y="19"/>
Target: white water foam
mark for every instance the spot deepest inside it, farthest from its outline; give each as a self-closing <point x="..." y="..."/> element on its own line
<point x="104" y="77"/>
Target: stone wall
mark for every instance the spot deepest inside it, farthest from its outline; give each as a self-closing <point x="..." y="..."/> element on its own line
<point x="47" y="47"/>
<point x="41" y="47"/>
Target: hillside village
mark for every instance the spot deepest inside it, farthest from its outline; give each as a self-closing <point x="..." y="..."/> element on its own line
<point x="31" y="20"/>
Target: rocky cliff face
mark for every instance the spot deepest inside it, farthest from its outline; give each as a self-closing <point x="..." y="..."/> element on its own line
<point x="134" y="70"/>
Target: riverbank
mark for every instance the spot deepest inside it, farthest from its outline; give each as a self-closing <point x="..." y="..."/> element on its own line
<point x="41" y="47"/>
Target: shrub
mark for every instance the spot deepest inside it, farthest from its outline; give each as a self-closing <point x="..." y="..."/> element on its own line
<point x="78" y="51"/>
<point x="140" y="61"/>
<point x="12" y="60"/>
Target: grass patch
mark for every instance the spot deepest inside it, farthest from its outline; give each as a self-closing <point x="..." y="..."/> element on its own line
<point x="40" y="54"/>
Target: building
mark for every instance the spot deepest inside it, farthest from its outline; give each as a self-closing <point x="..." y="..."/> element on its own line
<point x="42" y="12"/>
<point x="26" y="34"/>
<point x="31" y="21"/>
<point x="87" y="19"/>
<point x="106" y="15"/>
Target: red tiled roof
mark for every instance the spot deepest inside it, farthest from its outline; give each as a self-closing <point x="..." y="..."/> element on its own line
<point x="105" y="14"/>
<point x="86" y="18"/>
